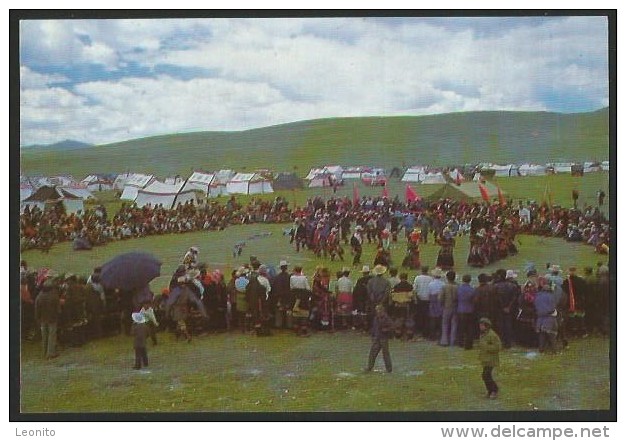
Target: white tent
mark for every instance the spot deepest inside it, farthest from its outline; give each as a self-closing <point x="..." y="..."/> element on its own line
<point x="218" y="184"/>
<point x="25" y="191"/>
<point x="354" y="172"/>
<point x="605" y="165"/>
<point x="49" y="195"/>
<point x="160" y="193"/>
<point x="562" y="167"/>
<point x="320" y="180"/>
<point x="173" y="180"/>
<point x="456" y="175"/>
<point x="81" y="192"/>
<point x="433" y="178"/>
<point x="335" y="170"/>
<point x="505" y="171"/>
<point x="120" y="181"/>
<point x="532" y="170"/>
<point x="200" y="181"/>
<point x="414" y="174"/>
<point x="134" y="183"/>
<point x="592" y="167"/>
<point x="313" y="173"/>
<point x="129" y="193"/>
<point x="96" y="183"/>
<point x="248" y="183"/>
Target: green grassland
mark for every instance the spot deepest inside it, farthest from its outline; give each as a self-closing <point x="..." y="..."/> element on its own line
<point x="438" y="140"/>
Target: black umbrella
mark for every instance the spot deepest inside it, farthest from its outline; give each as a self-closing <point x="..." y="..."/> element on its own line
<point x="130" y="271"/>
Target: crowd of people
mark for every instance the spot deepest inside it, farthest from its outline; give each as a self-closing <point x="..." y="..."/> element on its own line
<point x="43" y="228"/>
<point x="544" y="310"/>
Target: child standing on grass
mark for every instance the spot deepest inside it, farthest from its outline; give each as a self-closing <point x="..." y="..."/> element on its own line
<point x="151" y="320"/>
<point x="140" y="333"/>
<point x="489" y="347"/>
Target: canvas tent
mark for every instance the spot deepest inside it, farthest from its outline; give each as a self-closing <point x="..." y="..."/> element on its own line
<point x="321" y="180"/>
<point x="532" y="170"/>
<point x="414" y="174"/>
<point x="97" y="183"/>
<point x="79" y="191"/>
<point x="592" y="167"/>
<point x="167" y="195"/>
<point x="199" y="181"/>
<point x="504" y="171"/>
<point x="354" y="172"/>
<point x="287" y="181"/>
<point x="49" y="195"/>
<point x="433" y="178"/>
<point x="134" y="183"/>
<point x="248" y="183"/>
<point x="218" y="184"/>
<point x="467" y="191"/>
<point x="335" y="170"/>
<point x="25" y="191"/>
<point x="562" y="167"/>
<point x="605" y="165"/>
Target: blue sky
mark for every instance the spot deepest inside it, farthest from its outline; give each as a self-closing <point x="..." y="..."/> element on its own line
<point x="102" y="81"/>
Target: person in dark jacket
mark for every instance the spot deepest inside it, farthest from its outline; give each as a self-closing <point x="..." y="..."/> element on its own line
<point x="47" y="309"/>
<point x="382" y="327"/>
<point x="282" y="300"/>
<point x="359" y="300"/>
<point x="487" y="303"/>
<point x="546" y="324"/>
<point x="140" y="334"/>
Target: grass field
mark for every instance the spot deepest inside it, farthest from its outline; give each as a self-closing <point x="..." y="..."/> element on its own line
<point x="235" y="372"/>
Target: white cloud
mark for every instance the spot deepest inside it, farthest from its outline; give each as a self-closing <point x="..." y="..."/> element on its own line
<point x="267" y="71"/>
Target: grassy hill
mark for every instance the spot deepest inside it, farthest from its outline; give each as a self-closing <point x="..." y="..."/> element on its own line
<point x="385" y="141"/>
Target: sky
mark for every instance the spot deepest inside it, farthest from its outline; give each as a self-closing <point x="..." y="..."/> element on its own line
<point x="103" y="81"/>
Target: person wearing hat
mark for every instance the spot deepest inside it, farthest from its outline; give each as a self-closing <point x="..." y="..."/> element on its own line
<point x="282" y="300"/>
<point x="359" y="299"/>
<point x="190" y="260"/>
<point x="258" y="297"/>
<point x="508" y="292"/>
<point x="546" y="324"/>
<point x="489" y="347"/>
<point x="140" y="335"/>
<point x="382" y="327"/>
<point x="47" y="311"/>
<point x="378" y="290"/>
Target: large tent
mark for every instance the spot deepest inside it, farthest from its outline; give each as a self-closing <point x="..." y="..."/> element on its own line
<point x="466" y="191"/>
<point x="249" y="183"/>
<point x="504" y="171"/>
<point x="167" y="195"/>
<point x="562" y="167"/>
<point x="354" y="172"/>
<point x="218" y="184"/>
<point x="79" y="191"/>
<point x="97" y="183"/>
<point x="532" y="170"/>
<point x="287" y="181"/>
<point x="200" y="181"/>
<point x="134" y="183"/>
<point x="49" y="195"/>
<point x="414" y="174"/>
<point x="605" y="166"/>
<point x="433" y="178"/>
<point x="321" y="180"/>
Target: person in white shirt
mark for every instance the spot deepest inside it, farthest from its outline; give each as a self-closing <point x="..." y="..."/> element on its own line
<point x="420" y="289"/>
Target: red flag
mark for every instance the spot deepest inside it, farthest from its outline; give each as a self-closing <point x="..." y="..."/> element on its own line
<point x="410" y="195"/>
<point x="355" y="194"/>
<point x="501" y="197"/>
<point x="385" y="191"/>
<point x="483" y="192"/>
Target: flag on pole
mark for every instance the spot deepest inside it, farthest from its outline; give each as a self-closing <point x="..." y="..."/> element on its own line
<point x="483" y="192"/>
<point x="410" y="195"/>
<point x="355" y="194"/>
<point x="501" y="197"/>
<point x="385" y="191"/>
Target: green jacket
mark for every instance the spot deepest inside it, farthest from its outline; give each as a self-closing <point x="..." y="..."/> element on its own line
<point x="489" y="349"/>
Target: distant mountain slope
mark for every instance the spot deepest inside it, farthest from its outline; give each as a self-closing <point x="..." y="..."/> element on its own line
<point x="68" y="144"/>
<point x="454" y="138"/>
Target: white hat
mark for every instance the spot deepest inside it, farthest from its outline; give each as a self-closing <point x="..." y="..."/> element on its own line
<point x="283" y="263"/>
<point x="379" y="270"/>
<point x="437" y="272"/>
<point x="138" y="317"/>
<point x="510" y="274"/>
<point x="366" y="269"/>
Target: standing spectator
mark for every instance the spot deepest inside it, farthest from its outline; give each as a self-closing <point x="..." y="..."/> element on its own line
<point x="601" y="195"/>
<point x="546" y="324"/>
<point x="281" y="295"/>
<point x="356" y="242"/>
<point x="140" y="333"/>
<point x="467" y="320"/>
<point x="420" y="288"/>
<point x="378" y="291"/>
<point x="47" y="309"/>
<point x="301" y="290"/>
<point x="489" y="356"/>
<point x="575" y="195"/>
<point x="344" y="296"/>
<point x="449" y="302"/>
<point x="573" y="305"/>
<point x="151" y="320"/>
<point x="435" y="310"/>
<point x="381" y="329"/>
<point x="487" y="303"/>
<point x="359" y="300"/>
<point x="508" y="292"/>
